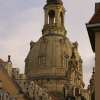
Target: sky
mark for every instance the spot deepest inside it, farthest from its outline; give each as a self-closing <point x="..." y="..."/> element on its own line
<point x="22" y="21"/>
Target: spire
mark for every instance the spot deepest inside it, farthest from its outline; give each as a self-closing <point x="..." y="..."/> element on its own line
<point x="54" y="2"/>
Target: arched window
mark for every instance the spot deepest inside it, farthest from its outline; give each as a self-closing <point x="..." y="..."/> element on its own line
<point x="77" y="92"/>
<point x="0" y="84"/>
<point x="51" y="17"/>
<point x="42" y="60"/>
<point x="61" y="18"/>
<point x="93" y="96"/>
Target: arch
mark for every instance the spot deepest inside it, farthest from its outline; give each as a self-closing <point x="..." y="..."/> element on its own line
<point x="77" y="92"/>
<point x="61" y="18"/>
<point x="51" y="19"/>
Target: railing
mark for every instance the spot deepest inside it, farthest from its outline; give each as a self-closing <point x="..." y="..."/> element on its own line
<point x="34" y="92"/>
<point x="56" y="71"/>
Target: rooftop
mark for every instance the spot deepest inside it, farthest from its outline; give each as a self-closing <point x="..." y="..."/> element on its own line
<point x="96" y="17"/>
<point x="94" y="25"/>
<point x="1" y="61"/>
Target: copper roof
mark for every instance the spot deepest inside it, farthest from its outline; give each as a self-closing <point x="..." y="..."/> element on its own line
<point x="96" y="18"/>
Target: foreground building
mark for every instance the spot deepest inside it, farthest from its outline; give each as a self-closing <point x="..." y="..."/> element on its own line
<point x="16" y="86"/>
<point x="9" y="90"/>
<point x="93" y="28"/>
<point x="53" y="66"/>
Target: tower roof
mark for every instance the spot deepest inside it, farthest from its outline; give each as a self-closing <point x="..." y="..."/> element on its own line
<point x="54" y="2"/>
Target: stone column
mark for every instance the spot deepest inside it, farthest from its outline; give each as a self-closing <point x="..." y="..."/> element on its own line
<point x="46" y="17"/>
<point x="57" y="17"/>
<point x="0" y="84"/>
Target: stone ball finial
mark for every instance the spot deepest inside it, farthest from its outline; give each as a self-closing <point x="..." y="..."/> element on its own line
<point x="9" y="58"/>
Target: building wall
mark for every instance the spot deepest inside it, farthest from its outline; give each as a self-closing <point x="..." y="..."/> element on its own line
<point x="9" y="86"/>
<point x="97" y="44"/>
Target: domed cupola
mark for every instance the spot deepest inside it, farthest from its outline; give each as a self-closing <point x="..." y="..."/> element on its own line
<point x="49" y="53"/>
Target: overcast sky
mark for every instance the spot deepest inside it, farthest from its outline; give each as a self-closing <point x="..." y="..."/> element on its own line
<point x="22" y="21"/>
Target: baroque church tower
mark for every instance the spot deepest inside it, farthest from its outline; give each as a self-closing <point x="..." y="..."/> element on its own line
<point x="53" y="62"/>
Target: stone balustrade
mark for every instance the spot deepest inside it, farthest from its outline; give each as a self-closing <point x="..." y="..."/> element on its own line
<point x="4" y="95"/>
<point x="30" y="88"/>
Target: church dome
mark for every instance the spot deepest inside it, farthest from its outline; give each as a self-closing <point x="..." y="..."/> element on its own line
<point x="53" y="61"/>
<point x="49" y="52"/>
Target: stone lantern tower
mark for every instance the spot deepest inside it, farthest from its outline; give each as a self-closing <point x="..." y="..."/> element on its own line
<point x="54" y="18"/>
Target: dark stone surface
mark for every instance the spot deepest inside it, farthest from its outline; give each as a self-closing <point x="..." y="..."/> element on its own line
<point x="70" y="98"/>
<point x="54" y="2"/>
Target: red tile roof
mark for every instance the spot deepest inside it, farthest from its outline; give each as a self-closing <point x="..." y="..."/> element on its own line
<point x="96" y="18"/>
<point x="1" y="61"/>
